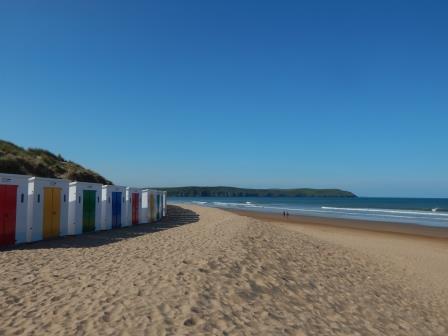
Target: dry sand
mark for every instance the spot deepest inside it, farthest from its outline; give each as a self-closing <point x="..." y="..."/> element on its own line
<point x="208" y="271"/>
<point x="417" y="251"/>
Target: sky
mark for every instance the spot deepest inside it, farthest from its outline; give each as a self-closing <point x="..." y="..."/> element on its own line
<point x="321" y="94"/>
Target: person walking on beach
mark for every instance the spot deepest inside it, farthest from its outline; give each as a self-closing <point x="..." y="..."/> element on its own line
<point x="284" y="213"/>
<point x="287" y="214"/>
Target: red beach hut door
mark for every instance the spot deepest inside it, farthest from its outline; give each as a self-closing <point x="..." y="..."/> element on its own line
<point x="8" y="199"/>
<point x="135" y="207"/>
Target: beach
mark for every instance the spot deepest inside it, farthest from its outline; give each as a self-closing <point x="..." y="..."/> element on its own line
<point x="209" y="271"/>
<point x="420" y="251"/>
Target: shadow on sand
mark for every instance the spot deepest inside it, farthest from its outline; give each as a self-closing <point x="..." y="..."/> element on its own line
<point x="176" y="216"/>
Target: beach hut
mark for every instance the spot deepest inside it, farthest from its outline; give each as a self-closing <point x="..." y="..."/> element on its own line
<point x="157" y="208"/>
<point x="47" y="208"/>
<point x="164" y="204"/>
<point x="84" y="209"/>
<point x="113" y="208"/>
<point x="153" y="204"/>
<point x="159" y="205"/>
<point x="144" y="206"/>
<point x="133" y="200"/>
<point x="13" y="209"/>
<point x="152" y="213"/>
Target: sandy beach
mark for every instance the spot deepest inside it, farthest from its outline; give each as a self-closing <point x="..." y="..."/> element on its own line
<point x="420" y="251"/>
<point x="210" y="271"/>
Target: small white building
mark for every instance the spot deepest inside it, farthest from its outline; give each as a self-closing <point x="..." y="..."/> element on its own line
<point x="133" y="206"/>
<point x="144" y="207"/>
<point x="156" y="209"/>
<point x="113" y="207"/>
<point x="152" y="203"/>
<point x="84" y="210"/>
<point x="47" y="208"/>
<point x="160" y="205"/>
<point x="157" y="204"/>
<point x="164" y="203"/>
<point x="13" y="209"/>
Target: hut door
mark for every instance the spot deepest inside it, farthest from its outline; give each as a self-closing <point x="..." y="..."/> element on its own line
<point x="151" y="207"/>
<point x="158" y="206"/>
<point x="52" y="212"/>
<point x="116" y="209"/>
<point x="135" y="207"/>
<point x="88" y="210"/>
<point x="8" y="199"/>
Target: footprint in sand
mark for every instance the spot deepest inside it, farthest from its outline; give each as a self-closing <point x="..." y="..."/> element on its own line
<point x="190" y="322"/>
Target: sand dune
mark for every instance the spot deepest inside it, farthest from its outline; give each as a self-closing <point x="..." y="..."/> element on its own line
<point x="207" y="271"/>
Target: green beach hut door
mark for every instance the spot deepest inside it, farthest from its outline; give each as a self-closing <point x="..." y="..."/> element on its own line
<point x="88" y="211"/>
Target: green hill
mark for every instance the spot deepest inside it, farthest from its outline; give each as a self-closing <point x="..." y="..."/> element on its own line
<point x="240" y="192"/>
<point x="42" y="163"/>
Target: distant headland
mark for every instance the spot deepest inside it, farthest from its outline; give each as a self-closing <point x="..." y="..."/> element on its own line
<point x="244" y="192"/>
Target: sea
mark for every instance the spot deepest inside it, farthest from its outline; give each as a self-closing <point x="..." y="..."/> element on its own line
<point x="421" y="211"/>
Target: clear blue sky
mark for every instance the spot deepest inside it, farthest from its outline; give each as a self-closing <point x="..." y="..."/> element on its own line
<point x="345" y="94"/>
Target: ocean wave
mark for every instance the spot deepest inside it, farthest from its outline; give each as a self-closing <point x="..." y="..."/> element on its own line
<point x="434" y="216"/>
<point x="328" y="211"/>
<point x="230" y="204"/>
<point x="409" y="214"/>
<point x="439" y="210"/>
<point x="391" y="211"/>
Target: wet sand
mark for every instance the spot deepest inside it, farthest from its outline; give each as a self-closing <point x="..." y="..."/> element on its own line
<point x="209" y="271"/>
<point x="375" y="226"/>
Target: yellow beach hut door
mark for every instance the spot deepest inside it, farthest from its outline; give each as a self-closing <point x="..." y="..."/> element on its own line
<point x="52" y="212"/>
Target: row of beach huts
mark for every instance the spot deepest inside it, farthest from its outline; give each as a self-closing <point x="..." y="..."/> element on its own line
<point x="35" y="208"/>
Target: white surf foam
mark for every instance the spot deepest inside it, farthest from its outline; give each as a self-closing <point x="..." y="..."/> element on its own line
<point x="391" y="211"/>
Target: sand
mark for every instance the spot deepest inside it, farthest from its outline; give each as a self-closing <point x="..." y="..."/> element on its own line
<point x="420" y="252"/>
<point x="208" y="271"/>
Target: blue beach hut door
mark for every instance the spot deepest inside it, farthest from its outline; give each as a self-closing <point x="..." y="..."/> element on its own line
<point x="116" y="209"/>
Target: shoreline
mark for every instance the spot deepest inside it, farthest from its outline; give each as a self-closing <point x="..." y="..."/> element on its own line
<point x="418" y="253"/>
<point x="415" y="230"/>
<point x="205" y="270"/>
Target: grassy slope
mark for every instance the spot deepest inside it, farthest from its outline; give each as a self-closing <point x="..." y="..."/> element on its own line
<point x="42" y="163"/>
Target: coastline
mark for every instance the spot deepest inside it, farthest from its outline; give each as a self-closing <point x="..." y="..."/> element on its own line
<point x="356" y="224"/>
<point x="204" y="270"/>
<point x="416" y="211"/>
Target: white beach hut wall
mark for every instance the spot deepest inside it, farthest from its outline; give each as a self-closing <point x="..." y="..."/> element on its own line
<point x="161" y="204"/>
<point x="160" y="197"/>
<point x="47" y="208"/>
<point x="133" y="206"/>
<point x="144" y="206"/>
<point x="84" y="210"/>
<point x="13" y="209"/>
<point x="158" y="207"/>
<point x="164" y="204"/>
<point x="113" y="208"/>
<point x="152" y="206"/>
